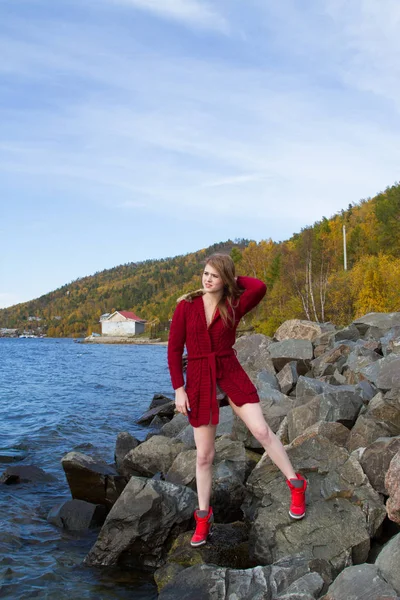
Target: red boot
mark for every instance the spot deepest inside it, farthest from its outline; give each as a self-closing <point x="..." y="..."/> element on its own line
<point x="203" y="527"/>
<point x="298" y="490"/>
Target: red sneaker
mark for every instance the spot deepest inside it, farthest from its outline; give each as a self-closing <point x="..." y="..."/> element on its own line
<point x="203" y="527"/>
<point x="297" y="489"/>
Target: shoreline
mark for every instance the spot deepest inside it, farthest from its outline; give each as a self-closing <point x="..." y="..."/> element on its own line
<point x="122" y="340"/>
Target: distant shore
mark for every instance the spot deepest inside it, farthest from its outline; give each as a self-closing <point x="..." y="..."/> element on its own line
<point x="123" y="340"/>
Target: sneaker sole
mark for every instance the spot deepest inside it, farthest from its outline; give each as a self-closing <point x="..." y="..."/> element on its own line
<point x="297" y="516"/>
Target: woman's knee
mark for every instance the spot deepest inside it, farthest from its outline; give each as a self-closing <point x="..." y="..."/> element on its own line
<point x="263" y="434"/>
<point x="205" y="458"/>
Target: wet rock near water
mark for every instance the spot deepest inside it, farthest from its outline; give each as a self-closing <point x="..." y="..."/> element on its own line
<point x="25" y="474"/>
<point x="77" y="515"/>
<point x="124" y="444"/>
<point x="92" y="480"/>
<point x="140" y="523"/>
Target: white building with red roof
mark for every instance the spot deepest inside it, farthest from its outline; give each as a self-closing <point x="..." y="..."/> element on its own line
<point x="121" y="323"/>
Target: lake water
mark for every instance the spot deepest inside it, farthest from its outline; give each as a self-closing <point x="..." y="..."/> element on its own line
<point x="57" y="396"/>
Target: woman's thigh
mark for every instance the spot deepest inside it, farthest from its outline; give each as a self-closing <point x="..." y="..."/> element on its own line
<point x="204" y="437"/>
<point x="252" y="416"/>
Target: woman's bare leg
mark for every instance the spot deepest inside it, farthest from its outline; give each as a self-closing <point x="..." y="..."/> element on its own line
<point x="204" y="437"/>
<point x="253" y="418"/>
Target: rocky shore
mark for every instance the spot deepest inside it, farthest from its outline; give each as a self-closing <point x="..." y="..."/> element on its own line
<point x="333" y="397"/>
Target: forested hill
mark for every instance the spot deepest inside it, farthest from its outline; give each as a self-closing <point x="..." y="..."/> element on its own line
<point x="305" y="276"/>
<point x="148" y="288"/>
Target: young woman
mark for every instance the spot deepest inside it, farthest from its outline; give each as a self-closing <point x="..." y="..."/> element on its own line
<point x="206" y="322"/>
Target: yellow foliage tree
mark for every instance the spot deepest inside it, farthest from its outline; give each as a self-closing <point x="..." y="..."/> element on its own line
<point x="375" y="284"/>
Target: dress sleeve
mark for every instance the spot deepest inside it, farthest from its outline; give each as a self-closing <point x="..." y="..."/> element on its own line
<point x="176" y="343"/>
<point x="254" y="292"/>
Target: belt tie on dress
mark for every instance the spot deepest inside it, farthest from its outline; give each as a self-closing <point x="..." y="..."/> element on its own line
<point x="212" y="371"/>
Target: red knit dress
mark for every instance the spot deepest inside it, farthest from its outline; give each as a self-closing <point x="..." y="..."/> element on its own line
<point x="211" y="358"/>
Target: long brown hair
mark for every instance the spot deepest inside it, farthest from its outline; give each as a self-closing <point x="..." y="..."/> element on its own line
<point x="225" y="266"/>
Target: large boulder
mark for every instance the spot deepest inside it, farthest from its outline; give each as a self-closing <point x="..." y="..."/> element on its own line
<point x="392" y="485"/>
<point x="388" y="562"/>
<point x="341" y="501"/>
<point x="153" y="456"/>
<point x="360" y="582"/>
<point x="201" y="582"/>
<point x="384" y="373"/>
<point x="138" y="526"/>
<point x="375" y="461"/>
<point x="391" y="342"/>
<point x="340" y="404"/>
<point x="365" y="431"/>
<point x="124" y="444"/>
<point x="288" y="377"/>
<point x="381" y="321"/>
<point x="175" y="426"/>
<point x="77" y="515"/>
<point x="332" y="360"/>
<point x="287" y="351"/>
<point x="92" y="480"/>
<point x="253" y="354"/>
<point x="296" y="329"/>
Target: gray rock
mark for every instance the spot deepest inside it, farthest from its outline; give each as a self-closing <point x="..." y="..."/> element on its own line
<point x="341" y="501"/>
<point x="388" y="562"/>
<point x="288" y="377"/>
<point x="384" y="373"/>
<point x="153" y="456"/>
<point x="210" y="582"/>
<point x="391" y="342"/>
<point x="337" y="403"/>
<point x="335" y="432"/>
<point x="9" y="455"/>
<point x="270" y="379"/>
<point x="159" y="400"/>
<point x="140" y="523"/>
<point x="92" y="480"/>
<point x="25" y="474"/>
<point x="366" y="390"/>
<point x="125" y="442"/>
<point x="386" y="409"/>
<point x="360" y="582"/>
<point x="382" y="321"/>
<point x="287" y="351"/>
<point x="347" y="333"/>
<point x="157" y="422"/>
<point x="164" y="410"/>
<point x="253" y="354"/>
<point x="174" y="426"/>
<point x="365" y="431"/>
<point x="308" y="586"/>
<point x="376" y="459"/>
<point x="392" y="485"/>
<point x="307" y="388"/>
<point x="77" y="515"/>
<point x="334" y="359"/>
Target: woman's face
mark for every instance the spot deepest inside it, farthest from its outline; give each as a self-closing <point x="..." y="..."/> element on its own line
<point x="211" y="280"/>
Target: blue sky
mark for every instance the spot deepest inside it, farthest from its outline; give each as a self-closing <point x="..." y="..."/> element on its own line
<point x="134" y="129"/>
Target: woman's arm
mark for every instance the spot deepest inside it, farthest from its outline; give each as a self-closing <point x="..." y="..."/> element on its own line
<point x="176" y="343"/>
<point x="254" y="292"/>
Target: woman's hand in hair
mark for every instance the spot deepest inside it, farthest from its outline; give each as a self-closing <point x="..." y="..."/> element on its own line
<point x="182" y="401"/>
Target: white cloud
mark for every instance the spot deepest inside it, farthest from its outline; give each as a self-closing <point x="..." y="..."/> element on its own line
<point x="194" y="13"/>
